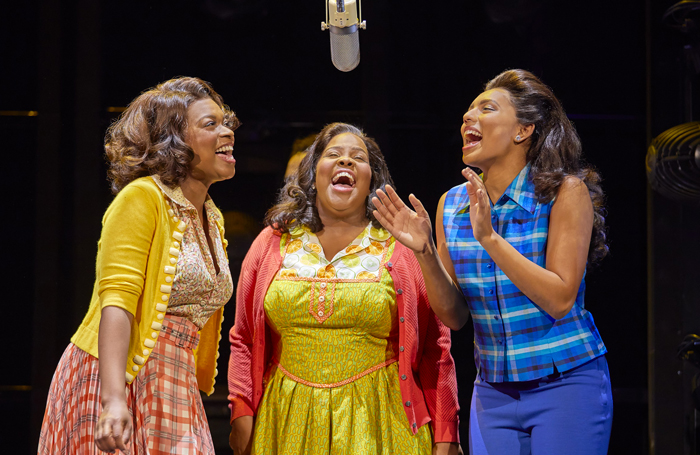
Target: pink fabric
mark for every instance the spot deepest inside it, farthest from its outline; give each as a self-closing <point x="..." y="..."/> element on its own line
<point x="430" y="386"/>
<point x="164" y="401"/>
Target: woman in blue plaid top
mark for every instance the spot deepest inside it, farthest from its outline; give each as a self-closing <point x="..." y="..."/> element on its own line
<point x="513" y="245"/>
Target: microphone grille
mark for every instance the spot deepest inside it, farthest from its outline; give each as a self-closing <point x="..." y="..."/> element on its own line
<point x="345" y="51"/>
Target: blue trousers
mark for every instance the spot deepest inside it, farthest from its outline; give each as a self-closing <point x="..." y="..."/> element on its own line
<point x="567" y="413"/>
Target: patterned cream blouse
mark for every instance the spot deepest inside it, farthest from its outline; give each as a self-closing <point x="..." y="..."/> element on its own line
<point x="198" y="291"/>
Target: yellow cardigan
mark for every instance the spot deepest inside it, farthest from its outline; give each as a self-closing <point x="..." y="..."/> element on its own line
<point x="136" y="263"/>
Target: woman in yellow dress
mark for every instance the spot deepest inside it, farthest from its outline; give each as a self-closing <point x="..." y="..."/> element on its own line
<point x="335" y="349"/>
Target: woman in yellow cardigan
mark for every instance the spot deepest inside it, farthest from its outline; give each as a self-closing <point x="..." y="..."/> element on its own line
<point x="128" y="380"/>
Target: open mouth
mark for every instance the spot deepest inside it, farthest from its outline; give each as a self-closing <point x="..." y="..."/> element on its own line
<point x="343" y="180"/>
<point x="471" y="138"/>
<point x="225" y="152"/>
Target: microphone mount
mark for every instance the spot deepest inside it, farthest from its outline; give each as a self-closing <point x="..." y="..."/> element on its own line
<point x="340" y="8"/>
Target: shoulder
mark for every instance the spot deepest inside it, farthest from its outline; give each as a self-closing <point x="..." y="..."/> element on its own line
<point x="146" y="184"/>
<point x="454" y="198"/>
<point x="136" y="199"/>
<point x="441" y="203"/>
<point x="267" y="238"/>
<point x="269" y="234"/>
<point x="572" y="202"/>
<point x="572" y="190"/>
<point x="143" y="188"/>
<point x="262" y="251"/>
<point x="456" y="191"/>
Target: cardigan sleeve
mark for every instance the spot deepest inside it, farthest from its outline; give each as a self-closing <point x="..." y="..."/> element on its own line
<point x="242" y="334"/>
<point x="128" y="228"/>
<point x="437" y="369"/>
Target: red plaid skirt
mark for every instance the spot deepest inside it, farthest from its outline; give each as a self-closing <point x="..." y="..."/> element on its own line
<point x="164" y="401"/>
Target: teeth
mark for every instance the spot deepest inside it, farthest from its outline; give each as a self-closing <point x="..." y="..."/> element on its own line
<point x="473" y="133"/>
<point x="224" y="149"/>
<point x="343" y="174"/>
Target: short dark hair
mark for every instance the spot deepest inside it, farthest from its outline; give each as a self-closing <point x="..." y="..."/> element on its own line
<point x="296" y="202"/>
<point x="148" y="138"/>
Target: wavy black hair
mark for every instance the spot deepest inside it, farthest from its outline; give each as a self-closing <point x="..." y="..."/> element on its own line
<point x="296" y="202"/>
<point x="554" y="151"/>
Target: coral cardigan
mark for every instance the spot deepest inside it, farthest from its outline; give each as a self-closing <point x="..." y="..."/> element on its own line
<point x="136" y="262"/>
<point x="426" y="369"/>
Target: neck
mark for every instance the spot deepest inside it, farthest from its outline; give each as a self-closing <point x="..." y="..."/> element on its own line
<point x="195" y="191"/>
<point x="332" y="220"/>
<point x="499" y="175"/>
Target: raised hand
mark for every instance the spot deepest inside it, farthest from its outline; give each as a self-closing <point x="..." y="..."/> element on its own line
<point x="114" y="427"/>
<point x="480" y="206"/>
<point x="412" y="228"/>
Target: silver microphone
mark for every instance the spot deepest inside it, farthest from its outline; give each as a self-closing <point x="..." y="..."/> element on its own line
<point x="343" y="21"/>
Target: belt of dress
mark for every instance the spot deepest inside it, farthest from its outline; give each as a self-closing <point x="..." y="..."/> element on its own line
<point x="335" y="384"/>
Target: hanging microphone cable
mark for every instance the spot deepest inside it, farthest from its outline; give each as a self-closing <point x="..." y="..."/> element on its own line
<point x="343" y="21"/>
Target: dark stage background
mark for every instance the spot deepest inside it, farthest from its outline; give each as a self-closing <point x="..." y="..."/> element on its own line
<point x="613" y="64"/>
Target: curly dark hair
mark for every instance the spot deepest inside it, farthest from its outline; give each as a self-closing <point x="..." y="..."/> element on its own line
<point x="149" y="136"/>
<point x="296" y="202"/>
<point x="555" y="148"/>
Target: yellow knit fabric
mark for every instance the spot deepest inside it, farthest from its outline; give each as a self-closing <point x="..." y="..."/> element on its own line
<point x="132" y="255"/>
<point x="298" y="413"/>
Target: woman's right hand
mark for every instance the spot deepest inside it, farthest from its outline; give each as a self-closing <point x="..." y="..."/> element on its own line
<point x="480" y="209"/>
<point x="114" y="427"/>
<point x="241" y="437"/>
<point x="412" y="228"/>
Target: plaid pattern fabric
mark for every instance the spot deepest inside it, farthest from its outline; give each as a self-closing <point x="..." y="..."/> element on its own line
<point x="514" y="339"/>
<point x="164" y="401"/>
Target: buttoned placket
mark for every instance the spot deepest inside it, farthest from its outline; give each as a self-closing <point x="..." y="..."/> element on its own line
<point x="404" y="364"/>
<point x="322" y="294"/>
<point x="494" y="286"/>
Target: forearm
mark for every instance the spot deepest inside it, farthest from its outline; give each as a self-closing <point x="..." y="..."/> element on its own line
<point x="113" y="348"/>
<point x="446" y="299"/>
<point x="446" y="448"/>
<point x="241" y="437"/>
<point x="544" y="287"/>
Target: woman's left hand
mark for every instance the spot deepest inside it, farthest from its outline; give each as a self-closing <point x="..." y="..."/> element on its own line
<point x="480" y="206"/>
<point x="447" y="448"/>
<point x="412" y="228"/>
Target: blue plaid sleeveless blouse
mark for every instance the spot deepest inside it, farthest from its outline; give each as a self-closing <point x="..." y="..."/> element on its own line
<point x="514" y="339"/>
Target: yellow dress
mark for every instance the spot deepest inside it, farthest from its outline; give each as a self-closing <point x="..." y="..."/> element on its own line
<point x="333" y="385"/>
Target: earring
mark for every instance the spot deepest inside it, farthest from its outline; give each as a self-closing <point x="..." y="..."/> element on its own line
<point x="517" y="138"/>
<point x="313" y="186"/>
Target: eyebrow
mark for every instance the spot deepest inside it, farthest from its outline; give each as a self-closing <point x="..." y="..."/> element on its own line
<point x="211" y="116"/>
<point x="484" y="101"/>
<point x="354" y="147"/>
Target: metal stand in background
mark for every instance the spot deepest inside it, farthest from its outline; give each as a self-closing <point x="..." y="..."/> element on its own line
<point x="683" y="17"/>
<point x="673" y="158"/>
<point x="689" y="350"/>
<point x="673" y="171"/>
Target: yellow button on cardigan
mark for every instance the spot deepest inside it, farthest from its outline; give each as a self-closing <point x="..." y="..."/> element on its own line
<point x="134" y="257"/>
